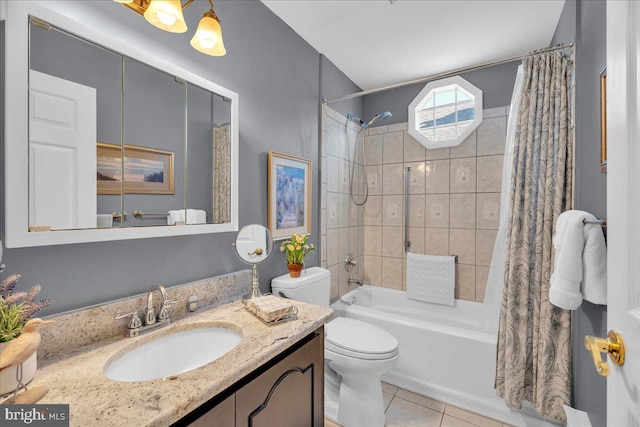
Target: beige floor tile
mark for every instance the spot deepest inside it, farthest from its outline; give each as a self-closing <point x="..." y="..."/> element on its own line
<point x="448" y="421"/>
<point x="388" y="388"/>
<point x="421" y="400"/>
<point x="475" y="419"/>
<point x="402" y="413"/>
<point x="329" y="423"/>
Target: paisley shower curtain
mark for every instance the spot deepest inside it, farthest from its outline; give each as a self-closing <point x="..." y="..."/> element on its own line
<point x="534" y="337"/>
<point x="222" y="174"/>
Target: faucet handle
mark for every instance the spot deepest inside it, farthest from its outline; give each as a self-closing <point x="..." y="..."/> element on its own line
<point x="164" y="310"/>
<point x="135" y="322"/>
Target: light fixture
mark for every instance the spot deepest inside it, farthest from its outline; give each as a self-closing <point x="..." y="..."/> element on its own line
<point x="167" y="15"/>
<point x="208" y="36"/>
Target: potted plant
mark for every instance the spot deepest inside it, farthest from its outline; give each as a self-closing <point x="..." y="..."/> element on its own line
<point x="295" y="249"/>
<point x="15" y="310"/>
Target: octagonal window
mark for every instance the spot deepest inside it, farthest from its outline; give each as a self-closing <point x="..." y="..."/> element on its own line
<point x="445" y="112"/>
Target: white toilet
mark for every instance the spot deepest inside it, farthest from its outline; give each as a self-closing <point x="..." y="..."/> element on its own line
<point x="356" y="354"/>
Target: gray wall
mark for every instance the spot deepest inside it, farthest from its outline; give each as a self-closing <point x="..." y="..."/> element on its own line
<point x="333" y="84"/>
<point x="276" y="74"/>
<point x="584" y="22"/>
<point x="496" y="84"/>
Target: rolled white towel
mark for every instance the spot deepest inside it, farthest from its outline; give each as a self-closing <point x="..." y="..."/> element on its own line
<point x="580" y="267"/>
<point x="194" y="216"/>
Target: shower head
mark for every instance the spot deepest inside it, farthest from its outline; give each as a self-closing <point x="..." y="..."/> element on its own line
<point x="356" y="119"/>
<point x="384" y="115"/>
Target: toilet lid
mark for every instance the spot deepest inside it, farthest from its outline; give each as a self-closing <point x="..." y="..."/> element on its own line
<point x="359" y="339"/>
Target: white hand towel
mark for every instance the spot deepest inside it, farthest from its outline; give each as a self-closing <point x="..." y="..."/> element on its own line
<point x="194" y="216"/>
<point x="580" y="267"/>
<point x="431" y="278"/>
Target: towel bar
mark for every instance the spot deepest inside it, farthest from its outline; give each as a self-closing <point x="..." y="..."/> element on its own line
<point x="140" y="214"/>
<point x="600" y="222"/>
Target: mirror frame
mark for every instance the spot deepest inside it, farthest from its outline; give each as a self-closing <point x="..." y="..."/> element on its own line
<point x="16" y="18"/>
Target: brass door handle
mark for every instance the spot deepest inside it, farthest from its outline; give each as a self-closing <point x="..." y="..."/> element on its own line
<point x="614" y="345"/>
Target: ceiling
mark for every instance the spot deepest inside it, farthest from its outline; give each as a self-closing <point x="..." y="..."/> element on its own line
<point x="382" y="42"/>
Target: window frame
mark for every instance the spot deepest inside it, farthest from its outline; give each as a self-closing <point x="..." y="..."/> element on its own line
<point x="419" y="102"/>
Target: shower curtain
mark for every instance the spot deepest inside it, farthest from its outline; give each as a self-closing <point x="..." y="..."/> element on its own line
<point x="495" y="280"/>
<point x="534" y="337"/>
<point x="222" y="174"/>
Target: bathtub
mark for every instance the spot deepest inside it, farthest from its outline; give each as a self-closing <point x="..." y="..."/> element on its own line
<point x="447" y="353"/>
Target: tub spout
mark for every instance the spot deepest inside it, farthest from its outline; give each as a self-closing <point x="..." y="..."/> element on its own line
<point x="355" y="282"/>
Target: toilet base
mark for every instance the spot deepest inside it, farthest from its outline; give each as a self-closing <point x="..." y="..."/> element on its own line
<point x="361" y="403"/>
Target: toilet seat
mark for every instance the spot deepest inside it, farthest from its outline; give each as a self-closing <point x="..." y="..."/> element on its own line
<point x="353" y="338"/>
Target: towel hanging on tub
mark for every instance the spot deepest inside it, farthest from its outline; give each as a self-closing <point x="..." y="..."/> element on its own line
<point x="431" y="278"/>
<point x="580" y="266"/>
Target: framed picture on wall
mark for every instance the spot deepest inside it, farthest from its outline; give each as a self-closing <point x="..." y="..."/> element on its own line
<point x="289" y="194"/>
<point x="146" y="170"/>
<point x="603" y="120"/>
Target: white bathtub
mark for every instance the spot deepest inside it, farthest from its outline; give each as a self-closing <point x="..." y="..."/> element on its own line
<point x="446" y="353"/>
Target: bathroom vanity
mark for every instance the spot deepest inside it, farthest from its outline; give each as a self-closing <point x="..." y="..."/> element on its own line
<point x="286" y="391"/>
<point x="273" y="376"/>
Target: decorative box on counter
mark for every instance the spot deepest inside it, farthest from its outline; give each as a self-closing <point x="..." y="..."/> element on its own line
<point x="271" y="309"/>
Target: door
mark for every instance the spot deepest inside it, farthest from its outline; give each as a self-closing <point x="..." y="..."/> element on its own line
<point x="62" y="153"/>
<point x="290" y="394"/>
<point x="623" y="207"/>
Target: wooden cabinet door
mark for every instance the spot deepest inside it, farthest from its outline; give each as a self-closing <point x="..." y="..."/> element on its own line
<point x="290" y="394"/>
<point x="221" y="415"/>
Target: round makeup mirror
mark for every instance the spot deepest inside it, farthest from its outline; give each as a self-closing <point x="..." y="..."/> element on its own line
<point x="253" y="246"/>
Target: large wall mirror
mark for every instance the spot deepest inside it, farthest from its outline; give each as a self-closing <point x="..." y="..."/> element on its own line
<point x="111" y="143"/>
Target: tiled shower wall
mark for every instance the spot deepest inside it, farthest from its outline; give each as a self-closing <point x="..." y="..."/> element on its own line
<point x="454" y="201"/>
<point x="341" y="221"/>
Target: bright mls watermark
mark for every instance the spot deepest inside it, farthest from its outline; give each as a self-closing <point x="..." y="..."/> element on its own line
<point x="35" y="415"/>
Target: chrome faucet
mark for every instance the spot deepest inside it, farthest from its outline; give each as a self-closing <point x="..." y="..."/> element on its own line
<point x="354" y="281"/>
<point x="151" y="321"/>
<point x="163" y="315"/>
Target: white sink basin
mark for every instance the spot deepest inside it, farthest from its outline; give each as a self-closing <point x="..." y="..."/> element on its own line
<point x="172" y="354"/>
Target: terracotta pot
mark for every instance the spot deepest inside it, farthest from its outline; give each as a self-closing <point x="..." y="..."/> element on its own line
<point x="295" y="269"/>
<point x="8" y="381"/>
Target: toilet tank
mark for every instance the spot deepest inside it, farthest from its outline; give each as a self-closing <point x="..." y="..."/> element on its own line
<point x="313" y="286"/>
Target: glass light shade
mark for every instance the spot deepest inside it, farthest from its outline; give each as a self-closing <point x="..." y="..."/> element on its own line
<point x="208" y="36"/>
<point x="166" y="15"/>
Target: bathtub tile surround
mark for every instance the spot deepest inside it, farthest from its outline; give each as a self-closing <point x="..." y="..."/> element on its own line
<point x="90" y="325"/>
<point x="454" y="202"/>
<point x="342" y="220"/>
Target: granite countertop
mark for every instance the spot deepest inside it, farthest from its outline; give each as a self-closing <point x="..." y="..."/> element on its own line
<point x="77" y="378"/>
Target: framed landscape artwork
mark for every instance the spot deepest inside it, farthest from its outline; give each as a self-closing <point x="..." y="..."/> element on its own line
<point x="289" y="194"/>
<point x="146" y="170"/>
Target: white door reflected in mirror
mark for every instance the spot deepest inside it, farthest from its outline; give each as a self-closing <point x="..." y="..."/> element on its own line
<point x="254" y="244"/>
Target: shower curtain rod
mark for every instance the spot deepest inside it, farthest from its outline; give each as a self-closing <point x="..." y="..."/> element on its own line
<point x="447" y="73"/>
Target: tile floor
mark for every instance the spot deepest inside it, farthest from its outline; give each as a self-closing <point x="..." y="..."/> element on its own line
<point x="406" y="409"/>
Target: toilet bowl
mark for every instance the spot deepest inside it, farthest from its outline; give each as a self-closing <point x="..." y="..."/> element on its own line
<point x="356" y="354"/>
<point x="359" y="353"/>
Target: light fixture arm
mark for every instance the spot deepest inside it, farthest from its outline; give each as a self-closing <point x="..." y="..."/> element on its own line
<point x="211" y="13"/>
<point x="187" y="4"/>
